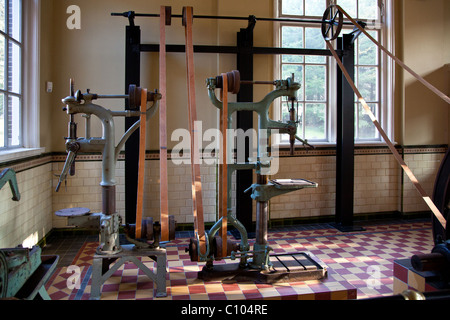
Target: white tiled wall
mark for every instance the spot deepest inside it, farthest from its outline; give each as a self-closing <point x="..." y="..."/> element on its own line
<point x="424" y="166"/>
<point x="378" y="188"/>
<point x="26" y="222"/>
<point x="83" y="190"/>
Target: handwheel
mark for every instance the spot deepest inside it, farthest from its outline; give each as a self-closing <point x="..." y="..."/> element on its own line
<point x="332" y="23"/>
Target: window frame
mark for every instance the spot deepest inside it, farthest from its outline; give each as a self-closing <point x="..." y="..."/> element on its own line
<point x="30" y="79"/>
<point x="386" y="85"/>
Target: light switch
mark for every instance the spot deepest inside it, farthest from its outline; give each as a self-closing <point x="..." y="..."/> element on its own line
<point x="49" y="87"/>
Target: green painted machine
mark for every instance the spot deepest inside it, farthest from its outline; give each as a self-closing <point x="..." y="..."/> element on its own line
<point x="257" y="262"/>
<point x="23" y="271"/>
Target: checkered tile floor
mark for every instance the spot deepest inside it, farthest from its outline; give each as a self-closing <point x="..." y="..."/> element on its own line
<point x="359" y="264"/>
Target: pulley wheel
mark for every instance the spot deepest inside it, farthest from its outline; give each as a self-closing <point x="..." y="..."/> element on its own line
<point x="184" y="17"/>
<point x="168" y="11"/>
<point x="134" y="97"/>
<point x="332" y="22"/>
<point x="234" y="82"/>
<point x="441" y="198"/>
<point x="218" y="246"/>
<point x="193" y="249"/>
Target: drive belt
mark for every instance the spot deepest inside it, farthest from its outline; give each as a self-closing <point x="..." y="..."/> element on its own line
<point x="141" y="165"/>
<point x="369" y="112"/>
<point x="192" y="110"/>
<point x="164" y="188"/>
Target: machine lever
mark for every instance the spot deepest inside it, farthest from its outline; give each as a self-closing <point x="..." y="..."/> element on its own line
<point x="68" y="164"/>
<point x="305" y="142"/>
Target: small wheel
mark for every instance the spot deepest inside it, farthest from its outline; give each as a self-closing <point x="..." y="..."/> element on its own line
<point x="234" y="82"/>
<point x="134" y="100"/>
<point x="193" y="249"/>
<point x="332" y="23"/>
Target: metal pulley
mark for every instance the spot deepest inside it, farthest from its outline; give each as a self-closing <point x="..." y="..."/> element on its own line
<point x="332" y="22"/>
<point x="135" y="94"/>
<point x="234" y="82"/>
<point x="151" y="229"/>
<point x="217" y="246"/>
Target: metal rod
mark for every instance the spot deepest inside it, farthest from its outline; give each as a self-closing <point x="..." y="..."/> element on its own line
<point x="236" y="50"/>
<point x="112" y="96"/>
<point x="257" y="82"/>
<point x="291" y="20"/>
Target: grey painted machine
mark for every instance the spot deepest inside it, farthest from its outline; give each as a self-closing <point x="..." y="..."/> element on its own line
<point x="108" y="221"/>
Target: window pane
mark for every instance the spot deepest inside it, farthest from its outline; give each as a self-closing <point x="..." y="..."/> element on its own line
<point x="2" y="15"/>
<point x="366" y="128"/>
<point x="314" y="40"/>
<point x="368" y="9"/>
<point x="368" y="51"/>
<point x="315" y="121"/>
<point x="2" y="62"/>
<point x="315" y="7"/>
<point x="297" y="70"/>
<point x="368" y="83"/>
<point x="292" y="7"/>
<point x="2" y="120"/>
<point x="14" y="121"/>
<point x="292" y="37"/>
<point x="315" y="85"/>
<point x="349" y="6"/>
<point x="14" y="20"/>
<point x="14" y="66"/>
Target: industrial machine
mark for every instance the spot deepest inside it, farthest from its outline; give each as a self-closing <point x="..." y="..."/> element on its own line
<point x="108" y="222"/>
<point x="438" y="260"/>
<point x="23" y="271"/>
<point x="256" y="263"/>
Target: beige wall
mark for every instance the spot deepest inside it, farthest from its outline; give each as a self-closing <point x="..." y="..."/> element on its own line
<point x="426" y="50"/>
<point x="95" y="57"/>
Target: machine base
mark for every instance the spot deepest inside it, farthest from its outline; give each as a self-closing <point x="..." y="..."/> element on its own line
<point x="285" y="268"/>
<point x="102" y="270"/>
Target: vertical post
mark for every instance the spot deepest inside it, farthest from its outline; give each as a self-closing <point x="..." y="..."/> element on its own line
<point x="244" y="178"/>
<point x="345" y="140"/>
<point x="132" y="76"/>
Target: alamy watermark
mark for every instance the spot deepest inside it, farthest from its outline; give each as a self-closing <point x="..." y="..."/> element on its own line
<point x="74" y="20"/>
<point x="236" y="147"/>
<point x="74" y="280"/>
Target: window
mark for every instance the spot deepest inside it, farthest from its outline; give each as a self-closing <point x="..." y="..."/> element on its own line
<point x="11" y="51"/>
<point x="19" y="79"/>
<point x="317" y="74"/>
